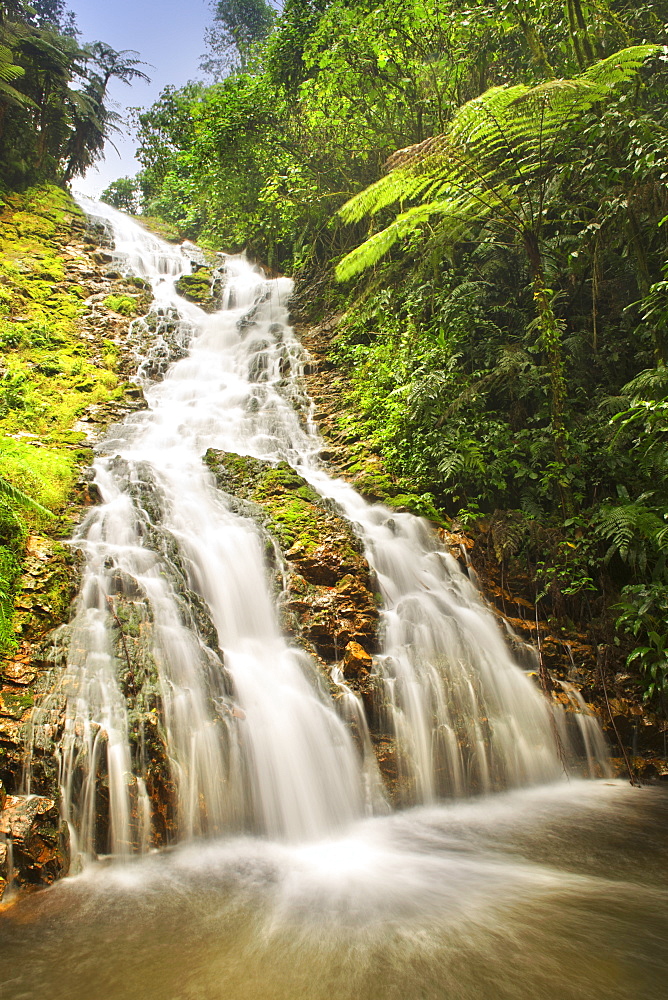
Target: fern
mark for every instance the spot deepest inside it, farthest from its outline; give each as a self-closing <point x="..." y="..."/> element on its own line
<point x="509" y="531"/>
<point x="21" y="499"/>
<point x="492" y="158"/>
<point x="652" y="383"/>
<point x="631" y="528"/>
<point x="467" y="459"/>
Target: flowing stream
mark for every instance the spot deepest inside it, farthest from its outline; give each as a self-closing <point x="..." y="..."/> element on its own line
<point x="293" y="877"/>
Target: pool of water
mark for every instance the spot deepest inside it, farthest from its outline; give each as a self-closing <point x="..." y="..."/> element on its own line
<point x="557" y="892"/>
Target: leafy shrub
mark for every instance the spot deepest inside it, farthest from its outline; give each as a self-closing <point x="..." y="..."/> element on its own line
<point x="644" y="616"/>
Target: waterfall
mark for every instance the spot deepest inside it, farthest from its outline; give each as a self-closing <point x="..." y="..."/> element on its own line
<point x="253" y="739"/>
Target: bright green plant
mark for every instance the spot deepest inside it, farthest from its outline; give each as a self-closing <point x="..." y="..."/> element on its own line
<point x="121" y="304"/>
<point x="495" y="164"/>
<point x="644" y="613"/>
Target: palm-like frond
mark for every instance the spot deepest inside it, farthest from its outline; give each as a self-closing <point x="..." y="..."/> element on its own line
<point x="456" y="215"/>
<point x="496" y="153"/>
<point x="652" y="383"/>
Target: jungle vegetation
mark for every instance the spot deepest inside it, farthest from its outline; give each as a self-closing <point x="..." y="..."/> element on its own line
<point x="55" y="116"/>
<point x="501" y="169"/>
<point x="488" y="181"/>
<point x="54" y="121"/>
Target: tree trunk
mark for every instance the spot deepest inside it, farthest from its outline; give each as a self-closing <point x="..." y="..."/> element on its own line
<point x="550" y="335"/>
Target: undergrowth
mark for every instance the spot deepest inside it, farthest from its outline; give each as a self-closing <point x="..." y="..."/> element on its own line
<point x="47" y="375"/>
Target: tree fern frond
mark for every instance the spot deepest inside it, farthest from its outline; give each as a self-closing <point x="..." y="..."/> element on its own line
<point x="386" y="191"/>
<point x="370" y="252"/>
<point x="412" y="154"/>
<point x="20" y="498"/>
<point x="652" y="383"/>
<point x="8" y="69"/>
<point x="467" y="458"/>
<point x="612" y="405"/>
<point x="620" y="66"/>
<point x="492" y="155"/>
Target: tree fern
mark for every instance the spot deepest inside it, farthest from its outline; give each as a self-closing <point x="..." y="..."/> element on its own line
<point x="495" y="149"/>
<point x="498" y="158"/>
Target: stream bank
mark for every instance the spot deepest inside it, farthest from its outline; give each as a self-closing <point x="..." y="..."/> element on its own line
<point x="585" y="658"/>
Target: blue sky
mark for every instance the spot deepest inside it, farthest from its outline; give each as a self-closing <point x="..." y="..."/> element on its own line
<point x="169" y="34"/>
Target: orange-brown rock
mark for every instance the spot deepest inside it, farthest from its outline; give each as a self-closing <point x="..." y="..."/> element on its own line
<point x="356" y="661"/>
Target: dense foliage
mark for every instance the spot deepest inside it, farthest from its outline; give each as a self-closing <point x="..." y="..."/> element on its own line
<point x="54" y="113"/>
<point x="508" y="348"/>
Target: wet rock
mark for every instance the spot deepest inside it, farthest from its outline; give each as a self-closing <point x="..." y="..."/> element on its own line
<point x="88" y="272"/>
<point x="40" y="851"/>
<point x="19" y="814"/>
<point x="357" y="663"/>
<point x="44" y="594"/>
<point x="19" y="671"/>
<point x="10" y="731"/>
<point x="327" y="600"/>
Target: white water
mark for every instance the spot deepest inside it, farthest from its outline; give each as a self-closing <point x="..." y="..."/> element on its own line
<point x="551" y="893"/>
<point x="258" y="744"/>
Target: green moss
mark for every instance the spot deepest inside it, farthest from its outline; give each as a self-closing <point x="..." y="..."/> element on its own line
<point x="47" y="379"/>
<point x="293" y="511"/>
<point x="46" y="474"/>
<point x="137" y="282"/>
<point x="30" y="224"/>
<point x="196" y="287"/>
<point x="111" y="354"/>
<point x="382" y="488"/>
<point x="11" y="537"/>
<point x="16" y="703"/>
<point x="124" y="305"/>
<point x="165" y="230"/>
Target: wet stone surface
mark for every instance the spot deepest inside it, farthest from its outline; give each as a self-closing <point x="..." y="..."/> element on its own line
<point x="112" y="334"/>
<point x="328" y="600"/>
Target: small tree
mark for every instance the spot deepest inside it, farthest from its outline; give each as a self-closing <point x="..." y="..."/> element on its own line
<point x="124" y="194"/>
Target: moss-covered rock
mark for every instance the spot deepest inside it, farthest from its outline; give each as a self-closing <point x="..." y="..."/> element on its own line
<point x="65" y="320"/>
<point x="124" y="305"/>
<point x="199" y="287"/>
<point x="328" y="601"/>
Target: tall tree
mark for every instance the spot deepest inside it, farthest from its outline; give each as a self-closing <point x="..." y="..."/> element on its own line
<point x="237" y="26"/>
<point x="495" y="163"/>
<point x="93" y="121"/>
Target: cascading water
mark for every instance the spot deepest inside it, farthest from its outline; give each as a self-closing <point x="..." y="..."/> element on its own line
<point x="253" y="739"/>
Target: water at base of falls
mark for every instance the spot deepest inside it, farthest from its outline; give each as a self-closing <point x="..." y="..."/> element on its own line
<point x="253" y="739"/>
<point x="552" y="893"/>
